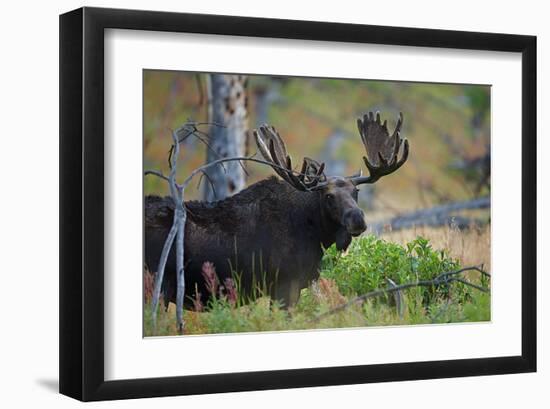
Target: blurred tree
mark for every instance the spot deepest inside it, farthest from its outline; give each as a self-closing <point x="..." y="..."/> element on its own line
<point x="479" y="99"/>
<point x="476" y="169"/>
<point x="228" y="113"/>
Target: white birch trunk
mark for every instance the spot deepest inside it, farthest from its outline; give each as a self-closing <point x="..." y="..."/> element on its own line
<point x="228" y="107"/>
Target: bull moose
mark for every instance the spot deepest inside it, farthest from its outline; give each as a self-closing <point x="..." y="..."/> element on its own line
<point x="273" y="233"/>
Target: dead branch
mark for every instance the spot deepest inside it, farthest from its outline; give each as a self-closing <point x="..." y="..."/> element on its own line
<point x="434" y="216"/>
<point x="442" y="279"/>
<point x="200" y="169"/>
<point x="177" y="232"/>
<point x="157" y="173"/>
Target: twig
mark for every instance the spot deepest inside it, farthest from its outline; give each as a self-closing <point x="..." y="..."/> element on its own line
<point x="198" y="132"/>
<point x="477" y="287"/>
<point x="196" y="124"/>
<point x="204" y="139"/>
<point x="156" y="173"/>
<point x="207" y="176"/>
<point x="479" y="269"/>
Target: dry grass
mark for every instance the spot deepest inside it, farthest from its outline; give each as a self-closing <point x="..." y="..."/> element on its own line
<point x="471" y="247"/>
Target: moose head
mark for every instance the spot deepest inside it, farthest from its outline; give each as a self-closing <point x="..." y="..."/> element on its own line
<point x="338" y="194"/>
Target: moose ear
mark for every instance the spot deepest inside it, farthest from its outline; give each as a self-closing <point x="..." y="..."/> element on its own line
<point x="343" y="239"/>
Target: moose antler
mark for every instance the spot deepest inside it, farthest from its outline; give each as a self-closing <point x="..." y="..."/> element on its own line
<point x="273" y="149"/>
<point x="382" y="149"/>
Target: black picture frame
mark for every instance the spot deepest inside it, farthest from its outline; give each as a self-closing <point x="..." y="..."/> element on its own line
<point x="82" y="200"/>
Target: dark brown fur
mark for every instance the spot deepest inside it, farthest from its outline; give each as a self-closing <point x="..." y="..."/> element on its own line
<point x="270" y="235"/>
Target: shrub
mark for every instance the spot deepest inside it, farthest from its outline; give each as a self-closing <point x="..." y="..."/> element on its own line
<point x="370" y="262"/>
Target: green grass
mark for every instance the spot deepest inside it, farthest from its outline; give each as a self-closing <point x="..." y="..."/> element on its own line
<point x="368" y="265"/>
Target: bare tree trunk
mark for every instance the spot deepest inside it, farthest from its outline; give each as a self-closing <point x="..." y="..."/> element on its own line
<point x="228" y="107"/>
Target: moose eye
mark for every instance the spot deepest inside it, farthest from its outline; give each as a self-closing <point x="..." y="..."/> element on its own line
<point x="329" y="197"/>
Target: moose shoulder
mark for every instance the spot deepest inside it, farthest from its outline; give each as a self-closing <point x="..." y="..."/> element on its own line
<point x="272" y="234"/>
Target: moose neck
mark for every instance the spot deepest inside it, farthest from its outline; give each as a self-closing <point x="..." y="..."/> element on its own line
<point x="308" y="206"/>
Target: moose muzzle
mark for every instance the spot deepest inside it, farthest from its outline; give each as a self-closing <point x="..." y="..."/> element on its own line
<point x="354" y="221"/>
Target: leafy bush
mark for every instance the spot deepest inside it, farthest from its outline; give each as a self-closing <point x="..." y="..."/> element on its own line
<point x="371" y="262"/>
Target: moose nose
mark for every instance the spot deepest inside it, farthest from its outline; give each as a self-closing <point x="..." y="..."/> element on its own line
<point x="354" y="220"/>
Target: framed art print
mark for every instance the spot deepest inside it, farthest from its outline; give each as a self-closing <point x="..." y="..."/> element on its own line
<point x="254" y="204"/>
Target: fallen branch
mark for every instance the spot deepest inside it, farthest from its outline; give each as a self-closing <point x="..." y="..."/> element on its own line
<point x="434" y="216"/>
<point x="442" y="279"/>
